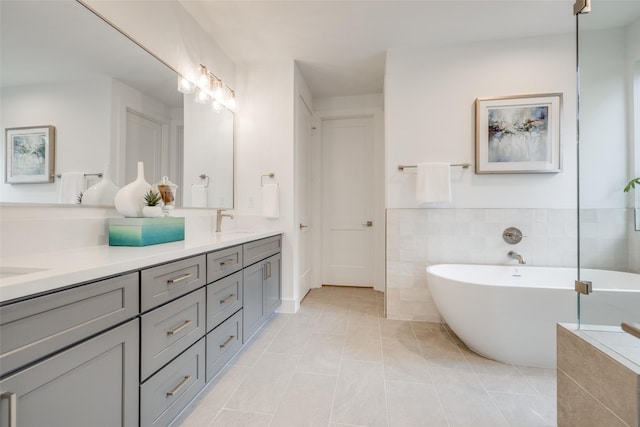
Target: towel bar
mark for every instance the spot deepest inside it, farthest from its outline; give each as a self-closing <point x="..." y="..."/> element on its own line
<point x="99" y="175"/>
<point x="462" y="165"/>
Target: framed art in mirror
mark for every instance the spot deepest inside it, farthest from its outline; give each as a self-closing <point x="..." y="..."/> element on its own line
<point x="519" y="134"/>
<point x="30" y="154"/>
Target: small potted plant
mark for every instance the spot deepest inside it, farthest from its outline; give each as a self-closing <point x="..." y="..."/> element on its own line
<point x="632" y="184"/>
<point x="152" y="208"/>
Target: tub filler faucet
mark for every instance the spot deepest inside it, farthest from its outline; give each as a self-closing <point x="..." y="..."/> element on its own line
<point x="515" y="255"/>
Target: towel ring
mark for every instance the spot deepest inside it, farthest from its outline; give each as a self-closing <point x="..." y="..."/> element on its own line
<point x="268" y="175"/>
<point x="206" y="177"/>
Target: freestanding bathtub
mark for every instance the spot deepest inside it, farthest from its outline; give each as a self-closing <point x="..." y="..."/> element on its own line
<point x="509" y="313"/>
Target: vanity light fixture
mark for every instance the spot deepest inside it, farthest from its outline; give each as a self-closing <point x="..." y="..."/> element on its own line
<point x="209" y="88"/>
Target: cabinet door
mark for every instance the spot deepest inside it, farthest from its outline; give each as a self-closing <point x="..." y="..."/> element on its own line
<point x="272" y="296"/>
<point x="252" y="299"/>
<point x="93" y="384"/>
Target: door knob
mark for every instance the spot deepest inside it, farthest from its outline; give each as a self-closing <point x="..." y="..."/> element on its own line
<point x="368" y="224"/>
<point x="303" y="226"/>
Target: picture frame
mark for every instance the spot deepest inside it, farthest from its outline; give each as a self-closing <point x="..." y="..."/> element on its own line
<point x="30" y="154"/>
<point x="519" y="134"/>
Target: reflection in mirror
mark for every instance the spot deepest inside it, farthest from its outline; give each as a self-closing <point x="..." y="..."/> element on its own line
<point x="112" y="104"/>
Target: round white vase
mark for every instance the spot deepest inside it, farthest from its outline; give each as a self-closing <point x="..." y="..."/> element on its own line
<point x="129" y="201"/>
<point x="104" y="192"/>
<point x="152" y="211"/>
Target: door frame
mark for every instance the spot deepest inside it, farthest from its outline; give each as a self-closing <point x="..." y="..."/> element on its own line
<point x="379" y="221"/>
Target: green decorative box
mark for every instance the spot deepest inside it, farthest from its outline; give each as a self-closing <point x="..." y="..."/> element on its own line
<point x="145" y="231"/>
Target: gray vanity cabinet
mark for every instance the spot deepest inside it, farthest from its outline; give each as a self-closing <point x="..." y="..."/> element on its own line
<point x="262" y="295"/>
<point x="94" y="383"/>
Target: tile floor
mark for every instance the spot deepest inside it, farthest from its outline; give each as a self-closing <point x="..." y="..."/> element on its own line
<point x="338" y="362"/>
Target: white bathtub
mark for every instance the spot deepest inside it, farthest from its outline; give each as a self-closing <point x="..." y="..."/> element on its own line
<point x="509" y="313"/>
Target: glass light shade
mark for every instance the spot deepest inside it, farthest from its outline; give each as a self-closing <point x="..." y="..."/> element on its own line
<point x="185" y="86"/>
<point x="202" y="97"/>
<point x="217" y="106"/>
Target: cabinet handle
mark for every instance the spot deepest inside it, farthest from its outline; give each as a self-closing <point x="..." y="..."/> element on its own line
<point x="179" y="328"/>
<point x="264" y="272"/>
<point x="222" y="301"/>
<point x="227" y="262"/>
<point x="13" y="398"/>
<point x="179" y="386"/>
<point x="268" y="269"/>
<point x="231" y="338"/>
<point x="179" y="279"/>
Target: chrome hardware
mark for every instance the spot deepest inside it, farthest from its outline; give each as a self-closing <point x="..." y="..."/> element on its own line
<point x="227" y="262"/>
<point x="462" y="165"/>
<point x="581" y="6"/>
<point x="179" y="328"/>
<point x="179" y="279"/>
<point x="368" y="224"/>
<point x="515" y="255"/>
<point x="13" y="400"/>
<point x="512" y="235"/>
<point x="584" y="287"/>
<point x="231" y="338"/>
<point x="179" y="386"/>
<point x="268" y="269"/>
<point x="219" y="215"/>
<point x="222" y="301"/>
<point x="303" y="226"/>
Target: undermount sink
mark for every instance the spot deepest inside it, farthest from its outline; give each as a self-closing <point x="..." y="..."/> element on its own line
<point x="7" y="271"/>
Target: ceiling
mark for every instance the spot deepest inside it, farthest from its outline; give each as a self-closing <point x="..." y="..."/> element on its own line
<point x="340" y="45"/>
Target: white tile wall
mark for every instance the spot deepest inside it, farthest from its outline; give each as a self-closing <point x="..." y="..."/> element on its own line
<point x="417" y="238"/>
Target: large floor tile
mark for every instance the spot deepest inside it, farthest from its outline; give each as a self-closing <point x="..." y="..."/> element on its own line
<point x="322" y="355"/>
<point x="231" y="418"/>
<point x="524" y="411"/>
<point x="306" y="402"/>
<point x="414" y="405"/>
<point x="403" y="361"/>
<point x="360" y="395"/>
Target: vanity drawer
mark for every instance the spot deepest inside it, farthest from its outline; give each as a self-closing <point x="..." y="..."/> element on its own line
<point x="224" y="298"/>
<point x="167" y="393"/>
<point x="223" y="262"/>
<point x="165" y="282"/>
<point x="166" y="331"/>
<point x="222" y="343"/>
<point x="34" y="328"/>
<point x="261" y="249"/>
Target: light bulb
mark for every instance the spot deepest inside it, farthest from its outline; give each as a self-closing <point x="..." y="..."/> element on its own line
<point x="185" y="86"/>
<point x="203" y="76"/>
<point x="217" y="107"/>
<point x="202" y="96"/>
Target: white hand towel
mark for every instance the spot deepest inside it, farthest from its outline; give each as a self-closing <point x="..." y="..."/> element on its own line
<point x="433" y="182"/>
<point x="71" y="185"/>
<point x="270" y="201"/>
<point x="199" y="196"/>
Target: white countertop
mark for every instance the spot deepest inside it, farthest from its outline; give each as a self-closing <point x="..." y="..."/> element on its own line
<point x="65" y="268"/>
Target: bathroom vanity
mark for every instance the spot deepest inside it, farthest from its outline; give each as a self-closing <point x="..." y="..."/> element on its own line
<point x="129" y="336"/>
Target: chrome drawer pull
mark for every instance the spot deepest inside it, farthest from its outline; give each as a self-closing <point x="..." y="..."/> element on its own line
<point x="179" y="279"/>
<point x="222" y="301"/>
<point x="12" y="407"/>
<point x="227" y="262"/>
<point x="231" y="338"/>
<point x="179" y="386"/>
<point x="179" y="328"/>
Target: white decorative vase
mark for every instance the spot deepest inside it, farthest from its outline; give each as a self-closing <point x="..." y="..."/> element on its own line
<point x="130" y="199"/>
<point x="104" y="192"/>
<point x="152" y="211"/>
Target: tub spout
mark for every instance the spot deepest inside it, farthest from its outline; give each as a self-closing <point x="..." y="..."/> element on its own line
<point x="515" y="255"/>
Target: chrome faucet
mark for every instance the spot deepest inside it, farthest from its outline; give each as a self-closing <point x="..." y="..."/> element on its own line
<point x="515" y="255"/>
<point x="219" y="215"/>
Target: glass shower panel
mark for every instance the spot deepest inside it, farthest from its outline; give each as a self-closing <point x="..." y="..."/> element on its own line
<point x="608" y="154"/>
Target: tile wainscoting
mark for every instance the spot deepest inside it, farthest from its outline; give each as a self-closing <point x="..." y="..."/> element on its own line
<point x="417" y="238"/>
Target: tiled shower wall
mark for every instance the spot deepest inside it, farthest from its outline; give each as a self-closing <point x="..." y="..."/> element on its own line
<point x="417" y="238"/>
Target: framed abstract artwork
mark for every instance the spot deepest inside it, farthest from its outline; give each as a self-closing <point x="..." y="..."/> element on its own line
<point x="519" y="134"/>
<point x="30" y="154"/>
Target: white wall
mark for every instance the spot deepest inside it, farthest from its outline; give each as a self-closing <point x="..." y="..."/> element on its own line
<point x="429" y="116"/>
<point x="264" y="135"/>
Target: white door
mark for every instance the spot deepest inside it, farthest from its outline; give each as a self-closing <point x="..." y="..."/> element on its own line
<point x="348" y="201"/>
<point x="304" y="175"/>
<point x="144" y="143"/>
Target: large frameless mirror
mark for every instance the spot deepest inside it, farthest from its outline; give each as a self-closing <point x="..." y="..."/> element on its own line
<point x="108" y="103"/>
